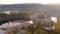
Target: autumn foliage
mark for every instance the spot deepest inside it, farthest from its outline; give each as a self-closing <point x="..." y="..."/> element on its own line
<point x="57" y="26"/>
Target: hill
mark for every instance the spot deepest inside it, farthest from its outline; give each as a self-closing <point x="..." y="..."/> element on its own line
<point x="52" y="10"/>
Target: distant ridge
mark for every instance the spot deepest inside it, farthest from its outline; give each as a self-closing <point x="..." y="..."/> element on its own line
<point x="19" y="6"/>
<point x="52" y="10"/>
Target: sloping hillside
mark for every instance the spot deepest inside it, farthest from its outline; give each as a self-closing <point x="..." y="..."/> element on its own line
<point x="52" y="10"/>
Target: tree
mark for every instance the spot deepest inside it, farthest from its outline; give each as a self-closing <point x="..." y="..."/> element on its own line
<point x="57" y="26"/>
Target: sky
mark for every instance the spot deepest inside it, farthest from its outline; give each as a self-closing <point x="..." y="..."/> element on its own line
<point x="29" y="1"/>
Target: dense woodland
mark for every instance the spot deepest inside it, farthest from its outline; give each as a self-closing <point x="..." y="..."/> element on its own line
<point x="13" y="16"/>
<point x="26" y="11"/>
<point x="35" y="28"/>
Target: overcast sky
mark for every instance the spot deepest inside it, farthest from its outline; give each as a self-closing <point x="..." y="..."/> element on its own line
<point x="28" y="1"/>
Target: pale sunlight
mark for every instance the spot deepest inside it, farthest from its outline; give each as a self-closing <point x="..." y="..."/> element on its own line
<point x="29" y="1"/>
